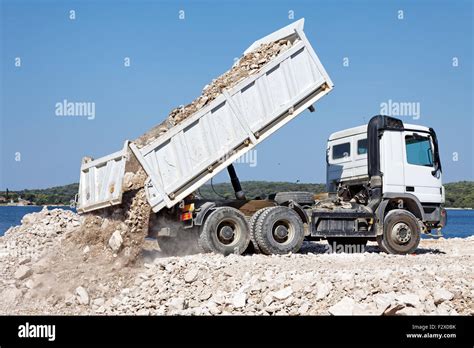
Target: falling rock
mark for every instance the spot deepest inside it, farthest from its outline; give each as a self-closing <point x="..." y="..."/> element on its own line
<point x="283" y="294"/>
<point x="441" y="295"/>
<point x="115" y="241"/>
<point x="127" y="180"/>
<point x="23" y="272"/>
<point x="239" y="299"/>
<point x="82" y="295"/>
<point x="191" y="276"/>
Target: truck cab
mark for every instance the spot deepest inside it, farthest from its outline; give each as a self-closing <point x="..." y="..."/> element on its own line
<point x="392" y="169"/>
<point x="407" y="162"/>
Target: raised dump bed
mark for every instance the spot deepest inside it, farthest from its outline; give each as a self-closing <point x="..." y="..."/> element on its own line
<point x="181" y="160"/>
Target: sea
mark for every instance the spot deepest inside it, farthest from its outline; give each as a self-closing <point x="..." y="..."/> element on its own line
<point x="460" y="222"/>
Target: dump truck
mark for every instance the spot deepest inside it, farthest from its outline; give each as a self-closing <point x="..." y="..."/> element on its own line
<point x="380" y="194"/>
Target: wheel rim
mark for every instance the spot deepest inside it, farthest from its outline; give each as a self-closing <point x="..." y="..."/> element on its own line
<point x="283" y="232"/>
<point x="228" y="232"/>
<point x="401" y="233"/>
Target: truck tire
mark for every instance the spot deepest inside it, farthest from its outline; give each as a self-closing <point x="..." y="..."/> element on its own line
<point x="225" y="231"/>
<point x="401" y="232"/>
<point x="253" y="225"/>
<point x="300" y="197"/>
<point x="279" y="230"/>
<point x="358" y="242"/>
<point x="186" y="242"/>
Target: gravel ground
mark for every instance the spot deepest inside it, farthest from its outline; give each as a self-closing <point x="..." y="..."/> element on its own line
<point x="46" y="269"/>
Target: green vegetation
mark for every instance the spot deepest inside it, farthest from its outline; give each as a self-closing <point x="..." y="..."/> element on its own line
<point x="458" y="194"/>
<point x="59" y="195"/>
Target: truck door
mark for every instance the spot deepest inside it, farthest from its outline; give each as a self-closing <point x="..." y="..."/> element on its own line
<point x="392" y="162"/>
<point x="421" y="179"/>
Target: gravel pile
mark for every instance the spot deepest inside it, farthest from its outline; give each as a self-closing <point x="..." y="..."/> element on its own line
<point x="38" y="233"/>
<point x="60" y="275"/>
<point x="438" y="280"/>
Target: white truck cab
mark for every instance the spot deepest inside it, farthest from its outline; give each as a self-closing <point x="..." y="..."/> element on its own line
<point x="393" y="171"/>
<point x="406" y="161"/>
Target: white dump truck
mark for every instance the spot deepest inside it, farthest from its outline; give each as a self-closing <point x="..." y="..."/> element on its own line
<point x="384" y="179"/>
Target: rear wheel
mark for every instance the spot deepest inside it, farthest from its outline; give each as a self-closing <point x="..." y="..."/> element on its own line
<point x="253" y="226"/>
<point x="401" y="233"/>
<point x="225" y="231"/>
<point x="279" y="230"/>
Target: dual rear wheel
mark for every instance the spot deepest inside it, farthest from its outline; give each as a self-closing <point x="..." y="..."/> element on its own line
<point x="278" y="230"/>
<point x="273" y="230"/>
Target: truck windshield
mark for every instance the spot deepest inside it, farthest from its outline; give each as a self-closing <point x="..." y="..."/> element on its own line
<point x="418" y="149"/>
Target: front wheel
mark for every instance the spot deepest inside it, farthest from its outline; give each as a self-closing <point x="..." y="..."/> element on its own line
<point x="401" y="233"/>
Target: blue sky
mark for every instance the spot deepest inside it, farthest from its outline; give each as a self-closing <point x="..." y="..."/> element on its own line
<point x="408" y="60"/>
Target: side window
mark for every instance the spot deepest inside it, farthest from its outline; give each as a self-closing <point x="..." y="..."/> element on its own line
<point x="419" y="150"/>
<point x="362" y="147"/>
<point x="341" y="151"/>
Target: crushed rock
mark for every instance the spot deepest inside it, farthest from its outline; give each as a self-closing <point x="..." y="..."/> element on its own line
<point x="62" y="279"/>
